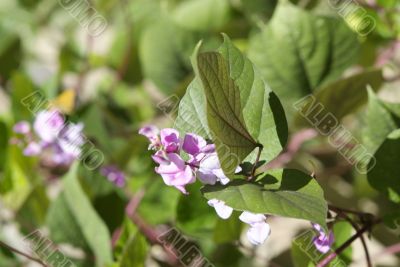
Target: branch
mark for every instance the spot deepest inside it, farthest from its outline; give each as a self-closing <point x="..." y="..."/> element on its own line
<point x="355" y="226"/>
<point x="22" y="254"/>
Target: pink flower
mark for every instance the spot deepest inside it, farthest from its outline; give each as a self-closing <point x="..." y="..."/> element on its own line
<point x="71" y="139"/>
<point x="32" y="149"/>
<point x="170" y="140"/>
<point x="114" y="175"/>
<point x="22" y="127"/>
<point x="323" y="242"/>
<point x="48" y="124"/>
<point x="151" y="132"/>
<point x="176" y="173"/>
<point x="193" y="144"/>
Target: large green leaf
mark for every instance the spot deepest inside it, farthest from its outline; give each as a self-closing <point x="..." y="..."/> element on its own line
<point x="93" y="228"/>
<point x="299" y="51"/>
<point x="262" y="111"/>
<point x="385" y="174"/>
<point x="241" y="110"/>
<point x="379" y="121"/>
<point x="283" y="192"/>
<point x="224" y="112"/>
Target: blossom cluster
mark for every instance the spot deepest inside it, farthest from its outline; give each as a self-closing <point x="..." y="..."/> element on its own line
<point x="57" y="142"/>
<point x="204" y="164"/>
<point x="203" y="161"/>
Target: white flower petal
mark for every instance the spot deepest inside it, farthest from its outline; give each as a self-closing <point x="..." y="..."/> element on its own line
<point x="258" y="233"/>
<point x="251" y="218"/>
<point x="222" y="210"/>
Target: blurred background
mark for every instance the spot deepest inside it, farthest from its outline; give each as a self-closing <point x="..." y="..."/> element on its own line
<point x="118" y="65"/>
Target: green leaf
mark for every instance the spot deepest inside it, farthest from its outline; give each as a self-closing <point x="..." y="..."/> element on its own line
<point x="32" y="213"/>
<point x="379" y="121"/>
<point x="350" y="92"/>
<point x="202" y="15"/>
<point x="297" y="52"/>
<point x="22" y="87"/>
<point x="283" y="192"/>
<point x="192" y="111"/>
<point x="262" y="111"/>
<point x="193" y="215"/>
<point x="93" y="228"/>
<point x="242" y="112"/>
<point x="224" y="112"/>
<point x="384" y="174"/>
<point x="131" y="248"/>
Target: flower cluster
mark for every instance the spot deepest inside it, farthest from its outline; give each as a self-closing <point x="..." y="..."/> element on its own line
<point x="204" y="164"/>
<point x="322" y="242"/>
<point x="203" y="161"/>
<point x="58" y="143"/>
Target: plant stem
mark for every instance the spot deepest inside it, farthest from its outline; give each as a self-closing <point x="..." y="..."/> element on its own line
<point x="364" y="244"/>
<point x="22" y="253"/>
<point x="253" y="171"/>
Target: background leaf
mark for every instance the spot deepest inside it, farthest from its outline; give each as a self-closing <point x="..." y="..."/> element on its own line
<point x="297" y="52"/>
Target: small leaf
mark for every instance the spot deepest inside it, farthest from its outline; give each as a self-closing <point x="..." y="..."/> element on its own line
<point x="283" y="192"/>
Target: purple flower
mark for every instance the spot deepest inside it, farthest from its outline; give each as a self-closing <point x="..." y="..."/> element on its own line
<point x="48" y="124"/>
<point x="114" y="175"/>
<point x="71" y="139"/>
<point x="170" y="140"/>
<point x="32" y="149"/>
<point x="323" y="242"/>
<point x="176" y="173"/>
<point x="193" y="144"/>
<point x="151" y="132"/>
<point x="22" y="127"/>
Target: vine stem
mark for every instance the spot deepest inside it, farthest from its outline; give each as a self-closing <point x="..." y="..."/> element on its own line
<point x="253" y="170"/>
<point x="2" y="244"/>
<point x="357" y="228"/>
<point x="324" y="262"/>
